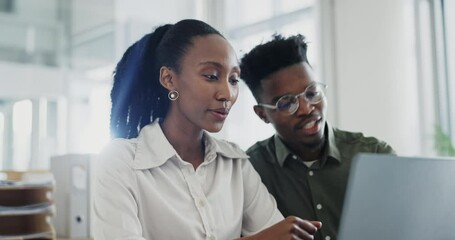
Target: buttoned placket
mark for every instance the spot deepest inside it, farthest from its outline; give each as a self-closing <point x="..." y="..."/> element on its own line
<point x="199" y="198"/>
<point x="309" y="179"/>
<point x="318" y="205"/>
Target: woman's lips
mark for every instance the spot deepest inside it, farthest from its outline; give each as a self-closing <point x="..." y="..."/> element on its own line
<point x="220" y="114"/>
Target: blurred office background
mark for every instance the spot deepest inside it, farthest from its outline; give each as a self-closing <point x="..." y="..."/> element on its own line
<point x="389" y="64"/>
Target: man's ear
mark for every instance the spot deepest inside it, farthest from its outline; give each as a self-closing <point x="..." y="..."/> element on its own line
<point x="261" y="114"/>
<point x="166" y="80"/>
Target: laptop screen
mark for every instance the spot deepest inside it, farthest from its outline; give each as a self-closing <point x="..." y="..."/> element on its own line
<point x="403" y="198"/>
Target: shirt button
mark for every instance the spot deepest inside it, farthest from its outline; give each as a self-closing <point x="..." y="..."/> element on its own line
<point x="294" y="156"/>
<point x="319" y="206"/>
<point x="327" y="238"/>
<point x="211" y="237"/>
<point x="201" y="203"/>
<point x="310" y="173"/>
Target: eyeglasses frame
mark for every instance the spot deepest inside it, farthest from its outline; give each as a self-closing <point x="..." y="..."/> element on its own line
<point x="275" y="107"/>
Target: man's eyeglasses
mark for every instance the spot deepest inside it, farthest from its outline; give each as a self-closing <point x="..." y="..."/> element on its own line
<point x="290" y="103"/>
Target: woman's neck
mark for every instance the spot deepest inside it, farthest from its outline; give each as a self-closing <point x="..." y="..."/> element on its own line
<point x="186" y="140"/>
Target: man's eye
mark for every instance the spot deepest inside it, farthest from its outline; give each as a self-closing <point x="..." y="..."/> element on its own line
<point x="284" y="105"/>
<point x="285" y="102"/>
<point x="211" y="77"/>
<point x="311" y="94"/>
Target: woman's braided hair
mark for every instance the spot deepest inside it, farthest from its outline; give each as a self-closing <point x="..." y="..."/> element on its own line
<point x="137" y="95"/>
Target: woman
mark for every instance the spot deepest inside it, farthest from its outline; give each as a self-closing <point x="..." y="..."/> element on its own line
<point x="164" y="177"/>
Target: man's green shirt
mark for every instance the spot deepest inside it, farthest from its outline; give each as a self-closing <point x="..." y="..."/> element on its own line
<point x="316" y="192"/>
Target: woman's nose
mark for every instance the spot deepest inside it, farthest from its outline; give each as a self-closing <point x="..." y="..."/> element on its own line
<point x="226" y="92"/>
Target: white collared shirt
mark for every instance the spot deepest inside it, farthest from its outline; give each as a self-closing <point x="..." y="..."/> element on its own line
<point x="144" y="190"/>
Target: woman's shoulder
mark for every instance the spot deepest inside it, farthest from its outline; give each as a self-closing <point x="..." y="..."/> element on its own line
<point x="118" y="153"/>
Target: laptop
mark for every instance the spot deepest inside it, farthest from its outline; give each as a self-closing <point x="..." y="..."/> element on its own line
<point x="403" y="198"/>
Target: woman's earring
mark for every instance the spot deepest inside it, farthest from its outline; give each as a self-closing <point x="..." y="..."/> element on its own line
<point x="173" y="95"/>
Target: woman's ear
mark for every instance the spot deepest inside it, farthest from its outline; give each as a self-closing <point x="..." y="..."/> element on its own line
<point x="166" y="76"/>
<point x="261" y="114"/>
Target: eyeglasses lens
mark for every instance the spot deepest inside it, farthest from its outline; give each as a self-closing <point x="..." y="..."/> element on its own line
<point x="313" y="94"/>
<point x="287" y="103"/>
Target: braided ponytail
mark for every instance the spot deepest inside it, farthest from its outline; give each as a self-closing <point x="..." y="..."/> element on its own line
<point x="136" y="89"/>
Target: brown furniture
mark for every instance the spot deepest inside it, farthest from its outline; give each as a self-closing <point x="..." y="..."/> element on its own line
<point x="26" y="205"/>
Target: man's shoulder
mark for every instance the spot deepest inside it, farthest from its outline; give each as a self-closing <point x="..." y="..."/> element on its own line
<point x="359" y="139"/>
<point x="258" y="146"/>
<point x="354" y="137"/>
<point x="261" y="150"/>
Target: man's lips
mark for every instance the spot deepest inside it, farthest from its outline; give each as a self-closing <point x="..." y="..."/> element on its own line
<point x="308" y="122"/>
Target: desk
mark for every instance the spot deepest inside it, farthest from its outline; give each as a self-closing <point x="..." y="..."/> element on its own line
<point x="74" y="238"/>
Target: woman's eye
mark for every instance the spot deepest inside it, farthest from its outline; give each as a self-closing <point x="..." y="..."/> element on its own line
<point x="234" y="81"/>
<point x="211" y="77"/>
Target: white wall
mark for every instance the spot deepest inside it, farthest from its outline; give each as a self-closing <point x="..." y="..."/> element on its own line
<point x="156" y="11"/>
<point x="42" y="10"/>
<point x="87" y="15"/>
<point x="144" y="15"/>
<point x="31" y="27"/>
<point x="375" y="88"/>
<point x="374" y="69"/>
<point x="30" y="81"/>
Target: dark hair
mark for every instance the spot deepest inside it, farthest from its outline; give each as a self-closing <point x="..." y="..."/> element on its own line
<point x="137" y="95"/>
<point x="270" y="57"/>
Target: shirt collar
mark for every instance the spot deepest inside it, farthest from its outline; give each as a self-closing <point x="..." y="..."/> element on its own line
<point x="281" y="150"/>
<point x="331" y="150"/>
<point x="153" y="149"/>
<point x="224" y="148"/>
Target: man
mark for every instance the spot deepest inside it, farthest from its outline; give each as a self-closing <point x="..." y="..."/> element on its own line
<point x="305" y="165"/>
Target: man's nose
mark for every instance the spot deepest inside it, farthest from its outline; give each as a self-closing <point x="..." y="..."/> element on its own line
<point x="305" y="107"/>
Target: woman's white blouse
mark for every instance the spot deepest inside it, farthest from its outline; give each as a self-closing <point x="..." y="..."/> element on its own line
<point x="144" y="190"/>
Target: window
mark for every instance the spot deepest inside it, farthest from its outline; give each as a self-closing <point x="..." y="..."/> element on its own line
<point x="2" y="136"/>
<point x="448" y="12"/>
<point x="22" y="131"/>
<point x="250" y="27"/>
<point x="6" y="6"/>
<point x="436" y="61"/>
<point x="29" y="133"/>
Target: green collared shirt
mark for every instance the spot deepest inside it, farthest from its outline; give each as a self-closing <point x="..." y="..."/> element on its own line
<point x="316" y="192"/>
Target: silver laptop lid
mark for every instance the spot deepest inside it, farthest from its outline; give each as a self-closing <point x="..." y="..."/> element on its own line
<point x="403" y="198"/>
